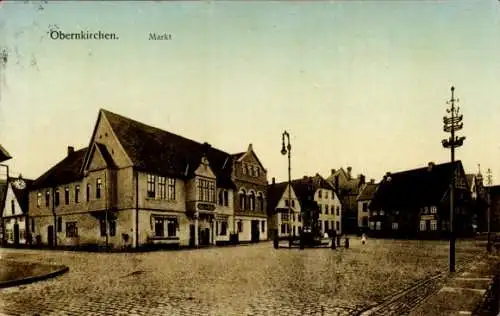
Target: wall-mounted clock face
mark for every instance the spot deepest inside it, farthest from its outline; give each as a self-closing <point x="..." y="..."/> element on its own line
<point x="19" y="184"/>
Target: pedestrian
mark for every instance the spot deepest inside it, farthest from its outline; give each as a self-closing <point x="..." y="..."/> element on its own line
<point x="346" y="242"/>
<point x="363" y="238"/>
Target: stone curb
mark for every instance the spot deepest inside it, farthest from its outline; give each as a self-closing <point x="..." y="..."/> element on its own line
<point x="61" y="270"/>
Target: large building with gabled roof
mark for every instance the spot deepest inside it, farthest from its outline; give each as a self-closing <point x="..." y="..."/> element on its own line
<point x="136" y="185"/>
<point x="416" y="203"/>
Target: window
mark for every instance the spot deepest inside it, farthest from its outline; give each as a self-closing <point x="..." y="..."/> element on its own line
<point x="285" y="217"/>
<point x="257" y="171"/>
<point x="151" y="186"/>
<point x="103" y="227"/>
<point x="223" y="228"/>
<point x="287" y="203"/>
<point x="433" y="210"/>
<point x="71" y="229"/>
<point x="326" y="209"/>
<point x="382" y="213"/>
<point x="240" y="227"/>
<point x="98" y="186"/>
<point x="159" y="227"/>
<point x="319" y="194"/>
<point x="89" y="187"/>
<point x="66" y="195"/>
<point x="243" y="199"/>
<point x="365" y="207"/>
<point x="299" y="217"/>
<point x="434" y="225"/>
<point x="338" y="210"/>
<point x="293" y="203"/>
<point x="252" y="200"/>
<point x="77" y="193"/>
<point x="221" y="201"/>
<point x="226" y="198"/>
<point x="372" y="225"/>
<point x="59" y="224"/>
<point x="423" y="226"/>
<point x="162" y="187"/>
<point x="332" y="209"/>
<point x="57" y="198"/>
<point x="283" y="228"/>
<point x="426" y="210"/>
<point x="244" y="169"/>
<point x="263" y="225"/>
<point x="378" y="225"/>
<point x="171" y="189"/>
<point x="13" y="206"/>
<point x="38" y="199"/>
<point x="326" y="225"/>
<point x="171" y="227"/>
<point x="395" y="225"/>
<point x="326" y="194"/>
<point x="32" y="225"/>
<point x="338" y="225"/>
<point x="206" y="190"/>
<point x="112" y="228"/>
<point x="47" y="198"/>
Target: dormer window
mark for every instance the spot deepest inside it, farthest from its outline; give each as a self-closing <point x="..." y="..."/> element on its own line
<point x="433" y="209"/>
<point x="244" y="167"/>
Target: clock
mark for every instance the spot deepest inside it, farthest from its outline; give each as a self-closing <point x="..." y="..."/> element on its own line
<point x="19" y="184"/>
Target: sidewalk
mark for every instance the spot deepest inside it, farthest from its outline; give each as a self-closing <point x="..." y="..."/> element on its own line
<point x="472" y="291"/>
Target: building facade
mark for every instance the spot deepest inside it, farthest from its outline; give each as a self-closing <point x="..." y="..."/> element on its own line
<point x="14" y="206"/>
<point x="347" y="188"/>
<point x="316" y="193"/>
<point x="284" y="211"/>
<point x="415" y="203"/>
<point x="364" y="198"/>
<point x="138" y="186"/>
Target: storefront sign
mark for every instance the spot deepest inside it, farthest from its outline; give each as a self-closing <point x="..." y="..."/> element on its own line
<point x="205" y="207"/>
<point x="427" y="217"/>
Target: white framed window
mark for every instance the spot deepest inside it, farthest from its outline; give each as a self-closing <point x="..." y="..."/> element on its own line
<point x="372" y="225"/>
<point x="382" y="213"/>
<point x="423" y="226"/>
<point x="38" y="199"/>
<point x="378" y="225"/>
<point x="434" y="225"/>
<point x="433" y="209"/>
<point x="395" y="225"/>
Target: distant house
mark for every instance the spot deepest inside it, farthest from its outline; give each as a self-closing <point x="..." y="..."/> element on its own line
<point x="347" y="188"/>
<point x="479" y="201"/>
<point x="317" y="197"/>
<point x="282" y="222"/>
<point x="364" y="198"/>
<point x="415" y="203"/>
<point x="14" y="203"/>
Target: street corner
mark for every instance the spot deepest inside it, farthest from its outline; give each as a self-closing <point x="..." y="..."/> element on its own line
<point x="14" y="273"/>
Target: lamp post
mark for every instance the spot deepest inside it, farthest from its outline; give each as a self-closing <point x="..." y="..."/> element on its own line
<point x="451" y="125"/>
<point x="284" y="151"/>
<point x="489" y="179"/>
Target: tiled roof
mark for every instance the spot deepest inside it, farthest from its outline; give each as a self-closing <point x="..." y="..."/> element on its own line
<point x="274" y="194"/>
<point x="414" y="188"/>
<point x="66" y="171"/>
<point x="367" y="191"/>
<point x="154" y="150"/>
<point x="4" y="155"/>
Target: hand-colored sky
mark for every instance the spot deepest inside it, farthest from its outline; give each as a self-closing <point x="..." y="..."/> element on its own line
<point x="356" y="83"/>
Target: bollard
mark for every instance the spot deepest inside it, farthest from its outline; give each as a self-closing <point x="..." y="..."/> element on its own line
<point x="276" y="242"/>
<point x="346" y="242"/>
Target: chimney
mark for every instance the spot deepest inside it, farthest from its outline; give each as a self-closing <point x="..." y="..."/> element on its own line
<point x="71" y="150"/>
<point x="333" y="172"/>
<point x="250" y="147"/>
<point x="273" y="180"/>
<point x="305" y="177"/>
<point x="430" y="165"/>
<point x="349" y="170"/>
<point x="206" y="147"/>
<point x="372" y="181"/>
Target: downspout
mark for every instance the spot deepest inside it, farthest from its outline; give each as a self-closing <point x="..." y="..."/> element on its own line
<point x="136" y="209"/>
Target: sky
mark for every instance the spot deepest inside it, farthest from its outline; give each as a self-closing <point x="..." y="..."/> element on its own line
<point x="355" y="83"/>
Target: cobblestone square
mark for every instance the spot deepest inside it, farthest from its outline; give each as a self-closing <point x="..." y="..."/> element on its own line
<point x="244" y="280"/>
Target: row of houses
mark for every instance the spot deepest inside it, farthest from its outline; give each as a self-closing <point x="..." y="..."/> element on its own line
<point x="135" y="185"/>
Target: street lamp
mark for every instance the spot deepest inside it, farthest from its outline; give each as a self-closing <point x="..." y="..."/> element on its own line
<point x="489" y="178"/>
<point x="284" y="151"/>
<point x="451" y="125"/>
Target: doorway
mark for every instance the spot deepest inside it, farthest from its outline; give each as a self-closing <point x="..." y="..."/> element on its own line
<point x="191" y="236"/>
<point x="255" y="231"/>
<point x="50" y="236"/>
<point x="16" y="234"/>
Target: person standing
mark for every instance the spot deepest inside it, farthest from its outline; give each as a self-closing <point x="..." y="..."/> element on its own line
<point x="363" y="238"/>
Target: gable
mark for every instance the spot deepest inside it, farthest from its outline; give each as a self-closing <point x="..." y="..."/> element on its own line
<point x="9" y="199"/>
<point x="204" y="169"/>
<point x="104" y="134"/>
<point x="251" y="158"/>
<point x="96" y="160"/>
